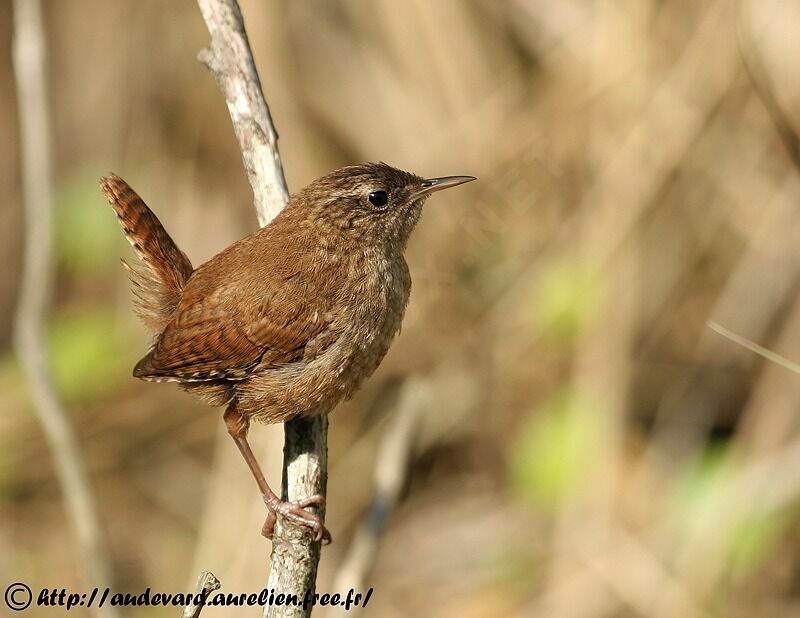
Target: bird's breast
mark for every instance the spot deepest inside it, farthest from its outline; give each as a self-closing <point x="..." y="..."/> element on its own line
<point x="373" y="317"/>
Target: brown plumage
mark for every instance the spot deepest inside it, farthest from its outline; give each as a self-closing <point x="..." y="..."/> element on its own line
<point x="158" y="287"/>
<point x="289" y="320"/>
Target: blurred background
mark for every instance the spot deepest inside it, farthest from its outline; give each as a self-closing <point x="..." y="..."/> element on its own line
<point x="557" y="431"/>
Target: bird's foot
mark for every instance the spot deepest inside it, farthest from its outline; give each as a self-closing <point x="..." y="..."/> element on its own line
<point x="296" y="513"/>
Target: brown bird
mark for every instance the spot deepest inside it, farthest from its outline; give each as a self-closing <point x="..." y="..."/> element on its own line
<point x="289" y="320"/>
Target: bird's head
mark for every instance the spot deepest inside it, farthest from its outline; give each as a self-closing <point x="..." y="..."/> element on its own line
<point x="373" y="202"/>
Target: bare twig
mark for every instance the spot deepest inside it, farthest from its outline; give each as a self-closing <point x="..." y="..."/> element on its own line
<point x="229" y="58"/>
<point x="391" y="470"/>
<point x="305" y="472"/>
<point x="206" y="584"/>
<point x="230" y="61"/>
<point x="754" y="347"/>
<point x="29" y="68"/>
<point x="759" y="79"/>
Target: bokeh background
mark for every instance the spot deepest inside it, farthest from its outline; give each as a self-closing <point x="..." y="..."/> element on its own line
<point x="559" y="431"/>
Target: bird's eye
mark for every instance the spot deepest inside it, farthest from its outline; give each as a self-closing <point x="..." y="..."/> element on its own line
<point x="379" y="199"/>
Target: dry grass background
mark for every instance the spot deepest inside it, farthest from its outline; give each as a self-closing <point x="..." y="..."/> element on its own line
<point x="584" y="444"/>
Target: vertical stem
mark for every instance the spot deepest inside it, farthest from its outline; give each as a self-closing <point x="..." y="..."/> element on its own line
<point x="229" y="58"/>
<point x="305" y="473"/>
<point x="29" y="55"/>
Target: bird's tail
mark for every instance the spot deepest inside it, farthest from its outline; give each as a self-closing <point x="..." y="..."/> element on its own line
<point x="158" y="284"/>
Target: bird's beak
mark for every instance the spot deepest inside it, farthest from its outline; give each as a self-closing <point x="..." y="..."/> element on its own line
<point x="430" y="185"/>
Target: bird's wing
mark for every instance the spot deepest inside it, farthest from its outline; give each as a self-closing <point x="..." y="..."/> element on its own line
<point x="225" y="334"/>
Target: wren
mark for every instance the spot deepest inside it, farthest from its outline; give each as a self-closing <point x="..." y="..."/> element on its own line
<point x="287" y="321"/>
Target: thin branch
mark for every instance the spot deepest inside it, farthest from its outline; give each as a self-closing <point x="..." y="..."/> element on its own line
<point x="391" y="471"/>
<point x="229" y="58"/>
<point x="759" y="79"/>
<point x="206" y="584"/>
<point x="294" y="555"/>
<point x="29" y="68"/>
<point x="230" y="61"/>
<point x="754" y="347"/>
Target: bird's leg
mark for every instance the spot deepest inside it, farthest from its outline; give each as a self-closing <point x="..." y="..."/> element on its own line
<point x="295" y="512"/>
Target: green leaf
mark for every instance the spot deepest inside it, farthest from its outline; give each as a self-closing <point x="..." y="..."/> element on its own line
<point x="754" y="539"/>
<point x="87" y="353"/>
<point x="87" y="236"/>
<point x="557" y="449"/>
<point x="702" y="497"/>
<point x="565" y="301"/>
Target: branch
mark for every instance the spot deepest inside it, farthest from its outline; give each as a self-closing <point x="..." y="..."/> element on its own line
<point x="230" y="61"/>
<point x="29" y="68"/>
<point x="206" y="584"/>
<point x="294" y="555"/>
<point x="305" y="472"/>
<point x="759" y="79"/>
<point x="391" y="471"/>
<point x="763" y="352"/>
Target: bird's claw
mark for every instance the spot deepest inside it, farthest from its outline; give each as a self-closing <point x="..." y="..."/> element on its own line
<point x="296" y="513"/>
